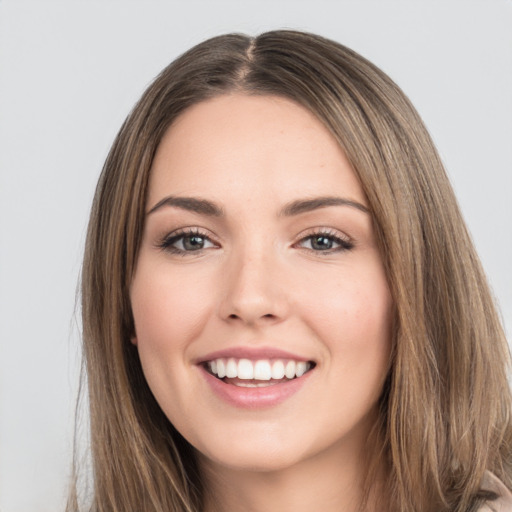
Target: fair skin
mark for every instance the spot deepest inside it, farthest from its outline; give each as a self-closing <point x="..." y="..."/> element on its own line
<point x="271" y="258"/>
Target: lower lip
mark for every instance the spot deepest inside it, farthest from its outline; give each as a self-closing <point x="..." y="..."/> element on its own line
<point x="255" y="398"/>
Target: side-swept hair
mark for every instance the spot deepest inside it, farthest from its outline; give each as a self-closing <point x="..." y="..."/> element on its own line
<point x="445" y="411"/>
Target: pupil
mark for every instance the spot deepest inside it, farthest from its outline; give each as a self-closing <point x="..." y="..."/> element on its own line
<point x="321" y="242"/>
<point x="193" y="242"/>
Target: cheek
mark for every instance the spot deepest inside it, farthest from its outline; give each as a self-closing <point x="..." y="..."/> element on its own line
<point x="169" y="311"/>
<point x="353" y="315"/>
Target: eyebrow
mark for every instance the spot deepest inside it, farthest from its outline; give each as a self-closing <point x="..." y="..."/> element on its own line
<point x="209" y="208"/>
<point x="192" y="204"/>
<point x="308" y="205"/>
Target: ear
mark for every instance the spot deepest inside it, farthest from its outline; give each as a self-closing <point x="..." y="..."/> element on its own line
<point x="134" y="340"/>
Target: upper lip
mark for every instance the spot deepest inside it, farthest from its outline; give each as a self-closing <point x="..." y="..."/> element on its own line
<point x="253" y="353"/>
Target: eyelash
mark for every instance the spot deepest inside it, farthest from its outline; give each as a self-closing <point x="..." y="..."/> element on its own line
<point x="167" y="243"/>
<point x="344" y="243"/>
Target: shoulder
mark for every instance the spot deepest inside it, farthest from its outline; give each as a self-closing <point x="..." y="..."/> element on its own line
<point x="504" y="501"/>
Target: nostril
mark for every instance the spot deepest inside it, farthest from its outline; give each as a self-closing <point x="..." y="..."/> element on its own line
<point x="234" y="316"/>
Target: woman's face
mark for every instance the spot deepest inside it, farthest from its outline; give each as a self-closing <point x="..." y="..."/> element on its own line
<point x="259" y="260"/>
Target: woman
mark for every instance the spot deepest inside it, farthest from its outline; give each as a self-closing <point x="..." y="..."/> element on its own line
<point x="282" y="308"/>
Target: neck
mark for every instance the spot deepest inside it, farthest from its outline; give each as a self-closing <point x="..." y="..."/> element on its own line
<point x="329" y="481"/>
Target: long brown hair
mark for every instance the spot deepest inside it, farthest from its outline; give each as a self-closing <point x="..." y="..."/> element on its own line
<point x="445" y="411"/>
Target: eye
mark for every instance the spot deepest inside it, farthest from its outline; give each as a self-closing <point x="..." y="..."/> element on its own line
<point x="325" y="242"/>
<point x="186" y="242"/>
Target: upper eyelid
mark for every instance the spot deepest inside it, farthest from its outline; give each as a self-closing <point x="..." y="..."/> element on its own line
<point x="189" y="231"/>
<point x="333" y="232"/>
<point x="176" y="234"/>
<point x="344" y="241"/>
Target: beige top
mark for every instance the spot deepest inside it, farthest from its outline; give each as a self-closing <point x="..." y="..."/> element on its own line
<point x="504" y="502"/>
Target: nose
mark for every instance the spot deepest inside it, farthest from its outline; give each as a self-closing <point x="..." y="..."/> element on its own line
<point x="254" y="290"/>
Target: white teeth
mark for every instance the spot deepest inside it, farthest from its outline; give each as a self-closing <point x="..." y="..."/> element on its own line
<point x="278" y="370"/>
<point x="263" y="369"/>
<point x="245" y="369"/>
<point x="301" y="369"/>
<point x="221" y="368"/>
<point x="231" y="369"/>
<point x="290" y="370"/>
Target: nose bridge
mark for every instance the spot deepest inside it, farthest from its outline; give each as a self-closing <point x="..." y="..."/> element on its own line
<point x="253" y="288"/>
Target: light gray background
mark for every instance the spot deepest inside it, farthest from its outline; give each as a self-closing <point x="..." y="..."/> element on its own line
<point x="69" y="74"/>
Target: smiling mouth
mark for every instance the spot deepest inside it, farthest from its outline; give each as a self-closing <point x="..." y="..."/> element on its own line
<point x="259" y="373"/>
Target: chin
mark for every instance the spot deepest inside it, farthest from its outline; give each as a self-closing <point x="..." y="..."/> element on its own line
<point x="258" y="453"/>
<point x="257" y="461"/>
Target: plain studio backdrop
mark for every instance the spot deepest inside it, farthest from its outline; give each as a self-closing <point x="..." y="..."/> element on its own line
<point x="69" y="74"/>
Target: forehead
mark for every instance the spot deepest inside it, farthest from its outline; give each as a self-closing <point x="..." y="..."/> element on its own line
<point x="239" y="145"/>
